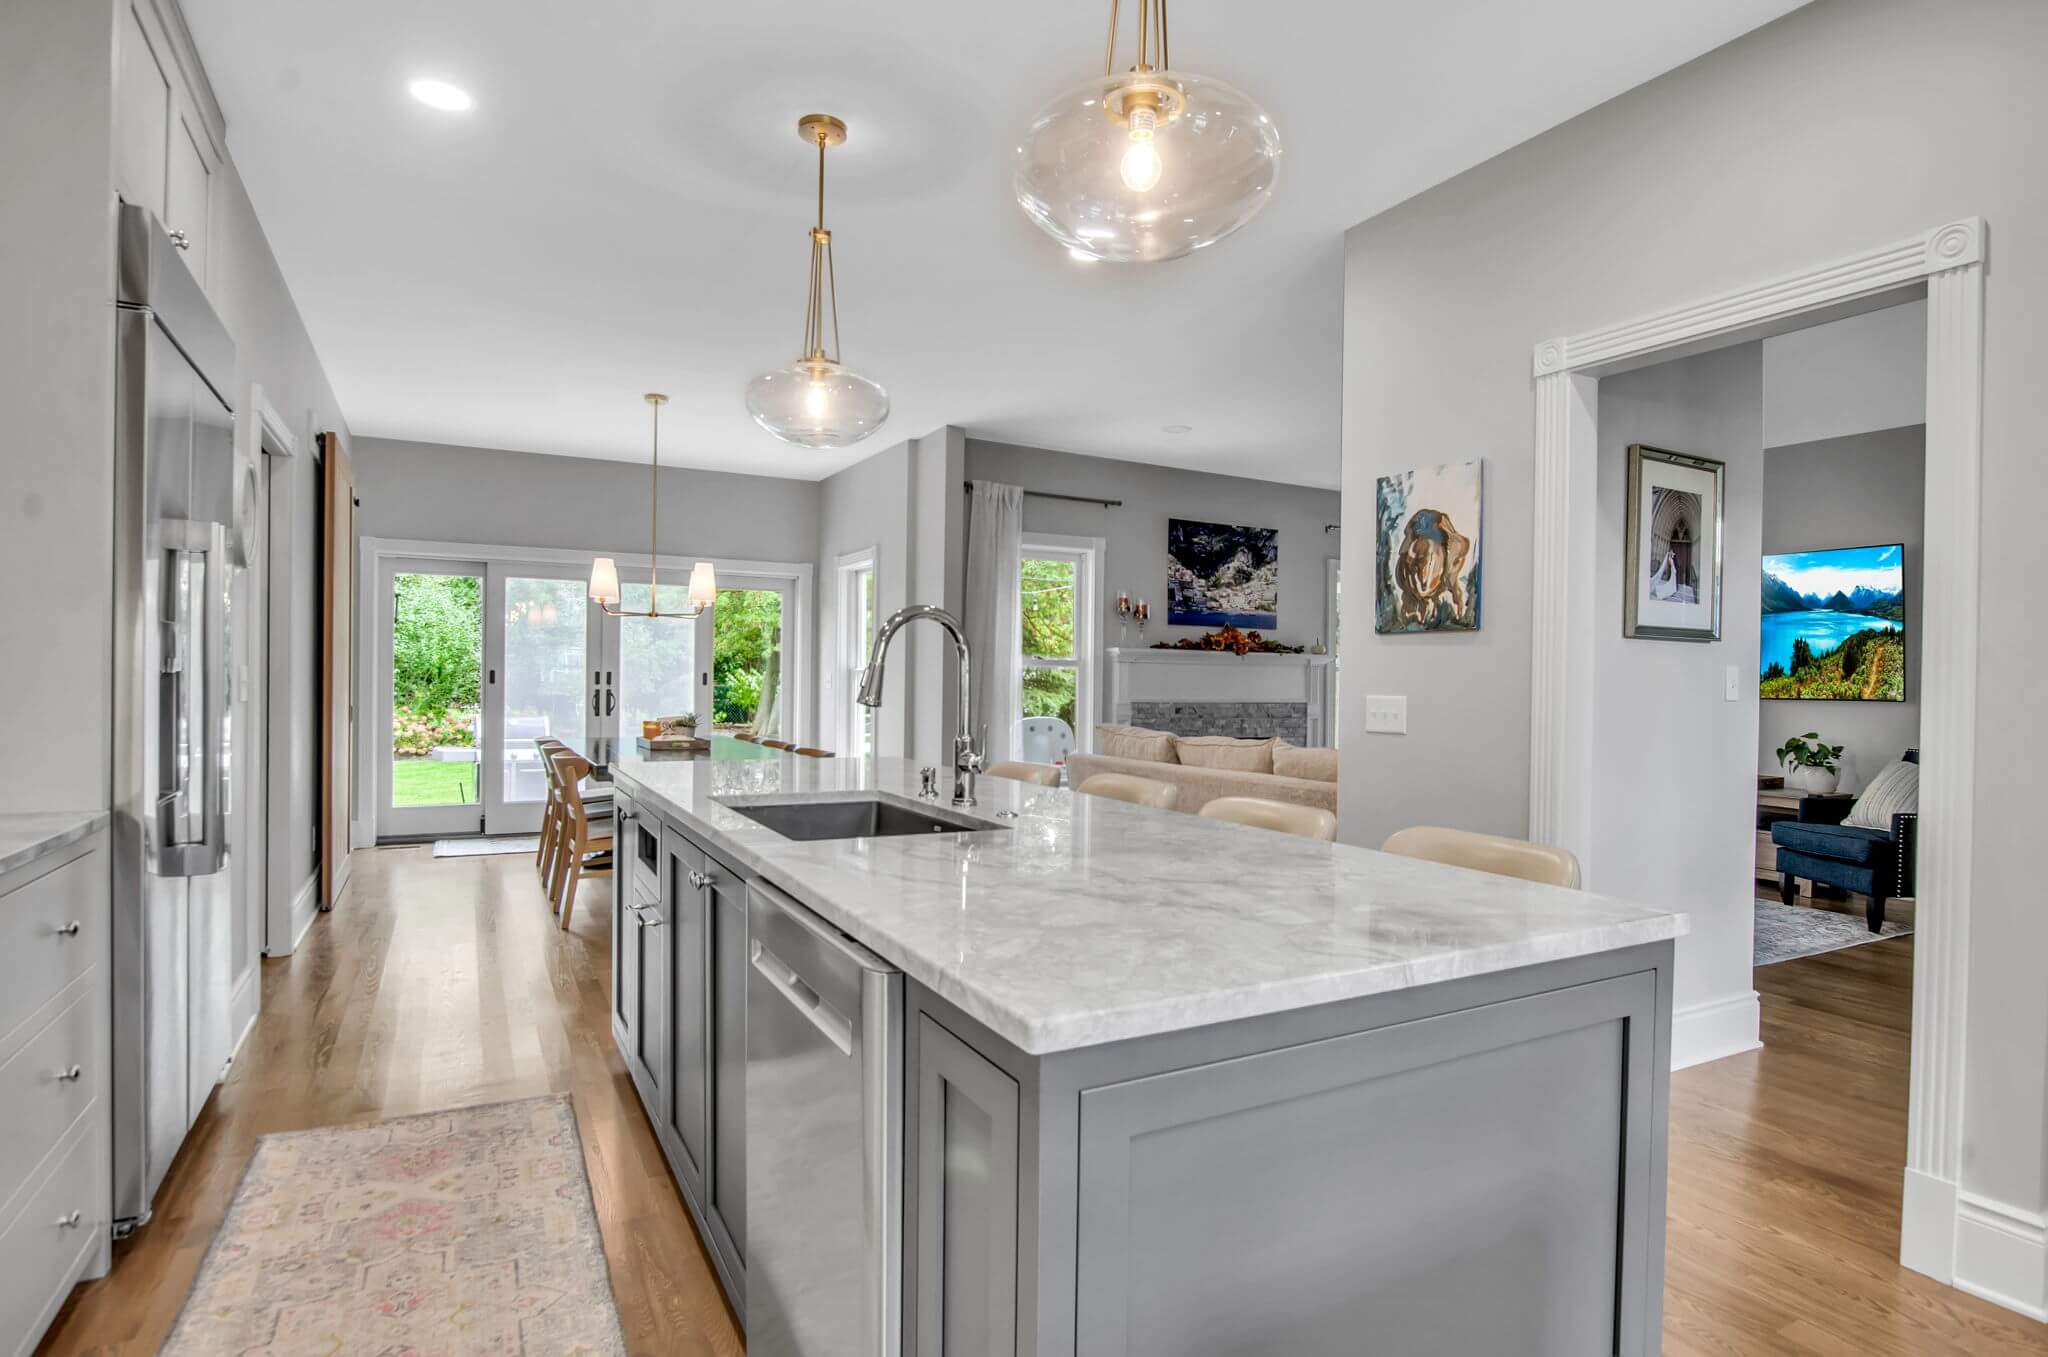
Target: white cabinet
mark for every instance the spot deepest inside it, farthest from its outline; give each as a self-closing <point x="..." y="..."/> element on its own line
<point x="165" y="156"/>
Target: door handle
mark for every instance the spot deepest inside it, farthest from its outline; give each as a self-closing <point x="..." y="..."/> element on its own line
<point x="611" y="702"/>
<point x="593" y="703"/>
<point x="828" y="1020"/>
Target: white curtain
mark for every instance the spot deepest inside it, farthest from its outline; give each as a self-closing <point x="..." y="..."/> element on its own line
<point x="995" y="627"/>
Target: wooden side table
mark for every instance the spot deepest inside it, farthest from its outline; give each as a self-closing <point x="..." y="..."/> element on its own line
<point x="1785" y="799"/>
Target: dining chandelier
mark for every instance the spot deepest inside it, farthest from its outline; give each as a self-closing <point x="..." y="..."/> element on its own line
<point x="604" y="571"/>
<point x="1147" y="163"/>
<point x="816" y="402"/>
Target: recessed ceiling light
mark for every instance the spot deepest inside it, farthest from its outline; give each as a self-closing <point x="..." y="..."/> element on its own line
<point x="442" y="95"/>
<point x="1176" y="428"/>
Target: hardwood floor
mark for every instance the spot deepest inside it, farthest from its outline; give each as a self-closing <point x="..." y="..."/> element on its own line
<point x="436" y="983"/>
<point x="1786" y="1167"/>
<point x="445" y="982"/>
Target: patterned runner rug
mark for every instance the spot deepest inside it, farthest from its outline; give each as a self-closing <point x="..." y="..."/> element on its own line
<point x="1784" y="932"/>
<point x="463" y="1232"/>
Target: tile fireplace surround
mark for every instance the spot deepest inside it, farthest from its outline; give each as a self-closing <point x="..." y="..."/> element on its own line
<point x="1199" y="692"/>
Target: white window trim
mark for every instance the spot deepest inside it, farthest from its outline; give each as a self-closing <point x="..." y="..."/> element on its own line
<point x="1088" y="554"/>
<point x="850" y="647"/>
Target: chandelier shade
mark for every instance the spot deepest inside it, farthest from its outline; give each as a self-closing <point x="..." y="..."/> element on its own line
<point x="604" y="570"/>
<point x="817" y="402"/>
<point x="1149" y="163"/>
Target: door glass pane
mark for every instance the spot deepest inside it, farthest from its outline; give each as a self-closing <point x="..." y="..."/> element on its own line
<point x="1048" y="599"/>
<point x="746" y="661"/>
<point x="1050" y="692"/>
<point x="657" y="659"/>
<point x="544" y="680"/>
<point x="437" y="651"/>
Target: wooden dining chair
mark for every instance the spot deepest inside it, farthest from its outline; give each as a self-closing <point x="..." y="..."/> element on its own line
<point x="811" y="753"/>
<point x="749" y="736"/>
<point x="544" y="856"/>
<point x="784" y="745"/>
<point x="584" y="847"/>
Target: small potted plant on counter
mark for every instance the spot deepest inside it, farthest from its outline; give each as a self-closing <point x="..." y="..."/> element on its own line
<point x="1810" y="767"/>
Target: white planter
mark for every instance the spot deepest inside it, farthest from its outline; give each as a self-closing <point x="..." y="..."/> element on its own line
<point x="1819" y="781"/>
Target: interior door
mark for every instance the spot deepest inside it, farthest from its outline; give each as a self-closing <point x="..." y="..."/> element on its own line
<point x="337" y="667"/>
<point x="431" y="684"/>
<point x="542" y="632"/>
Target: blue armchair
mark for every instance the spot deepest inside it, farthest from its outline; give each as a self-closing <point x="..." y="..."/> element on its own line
<point x="1876" y="863"/>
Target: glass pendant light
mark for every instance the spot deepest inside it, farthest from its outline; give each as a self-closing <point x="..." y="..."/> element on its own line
<point x="1148" y="163"/>
<point x="815" y="402"/>
<point x="604" y="571"/>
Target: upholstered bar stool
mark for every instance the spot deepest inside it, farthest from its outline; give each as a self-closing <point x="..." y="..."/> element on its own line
<point x="1139" y="791"/>
<point x="1494" y="853"/>
<point x="1043" y="774"/>
<point x="1310" y="822"/>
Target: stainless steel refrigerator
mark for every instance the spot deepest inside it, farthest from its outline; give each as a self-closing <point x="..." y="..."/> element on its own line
<point x="174" y="540"/>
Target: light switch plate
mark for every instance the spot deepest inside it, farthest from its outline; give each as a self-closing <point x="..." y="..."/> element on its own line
<point x="1386" y="715"/>
<point x="1734" y="683"/>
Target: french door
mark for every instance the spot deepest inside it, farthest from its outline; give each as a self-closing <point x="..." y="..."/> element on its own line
<point x="543" y="631"/>
<point x="648" y="667"/>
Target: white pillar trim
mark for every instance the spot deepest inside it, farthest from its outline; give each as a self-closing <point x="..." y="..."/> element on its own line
<point x="1949" y="260"/>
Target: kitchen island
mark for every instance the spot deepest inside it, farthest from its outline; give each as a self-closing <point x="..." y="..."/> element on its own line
<point x="1160" y="1084"/>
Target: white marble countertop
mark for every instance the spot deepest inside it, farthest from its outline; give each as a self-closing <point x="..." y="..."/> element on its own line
<point x="28" y="836"/>
<point x="1088" y="920"/>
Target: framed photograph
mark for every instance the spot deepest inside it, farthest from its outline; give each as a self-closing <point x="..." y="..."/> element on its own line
<point x="1426" y="549"/>
<point x="1221" y="574"/>
<point x="1672" y="589"/>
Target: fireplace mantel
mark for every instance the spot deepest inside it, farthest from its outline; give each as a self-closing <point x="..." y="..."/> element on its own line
<point x="1217" y="676"/>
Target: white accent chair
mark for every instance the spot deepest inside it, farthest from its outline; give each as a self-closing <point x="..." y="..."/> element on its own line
<point x="1044" y="739"/>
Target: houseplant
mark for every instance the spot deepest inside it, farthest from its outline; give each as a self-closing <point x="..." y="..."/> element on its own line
<point x="1810" y="767"/>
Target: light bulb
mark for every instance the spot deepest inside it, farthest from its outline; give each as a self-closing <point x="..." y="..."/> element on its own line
<point x="1141" y="165"/>
<point x="817" y="400"/>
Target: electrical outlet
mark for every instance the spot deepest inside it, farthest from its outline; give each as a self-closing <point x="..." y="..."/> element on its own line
<point x="1386" y="715"/>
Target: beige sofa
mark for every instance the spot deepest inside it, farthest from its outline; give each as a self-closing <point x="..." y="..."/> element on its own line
<point x="1201" y="785"/>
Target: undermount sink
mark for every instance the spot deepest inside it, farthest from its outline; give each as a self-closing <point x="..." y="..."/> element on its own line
<point x="861" y="817"/>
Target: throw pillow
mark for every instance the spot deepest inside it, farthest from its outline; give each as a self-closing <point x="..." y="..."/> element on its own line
<point x="1134" y="742"/>
<point x="1894" y="791"/>
<point x="1317" y="765"/>
<point x="1225" y="752"/>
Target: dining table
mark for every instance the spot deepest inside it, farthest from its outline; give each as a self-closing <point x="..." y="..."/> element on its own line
<point x="604" y="750"/>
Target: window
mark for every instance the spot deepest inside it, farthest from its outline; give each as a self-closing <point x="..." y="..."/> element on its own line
<point x="1056" y="589"/>
<point x="856" y="630"/>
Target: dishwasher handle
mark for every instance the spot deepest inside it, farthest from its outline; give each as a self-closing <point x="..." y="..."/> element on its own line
<point x="837" y="1028"/>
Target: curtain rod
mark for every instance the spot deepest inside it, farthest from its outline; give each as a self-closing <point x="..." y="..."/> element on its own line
<point x="968" y="486"/>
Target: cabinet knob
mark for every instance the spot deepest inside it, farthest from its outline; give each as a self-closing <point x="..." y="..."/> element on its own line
<point x="69" y="1076"/>
<point x="181" y="240"/>
<point x="69" y="930"/>
<point x="69" y="1222"/>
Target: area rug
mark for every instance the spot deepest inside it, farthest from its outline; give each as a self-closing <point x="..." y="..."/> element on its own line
<point x="1784" y="932"/>
<point x="463" y="1232"/>
<point x="483" y="848"/>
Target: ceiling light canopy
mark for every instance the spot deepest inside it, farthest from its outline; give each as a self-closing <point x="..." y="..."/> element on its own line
<point x="604" y="571"/>
<point x="815" y="402"/>
<point x="442" y="95"/>
<point x="1149" y="163"/>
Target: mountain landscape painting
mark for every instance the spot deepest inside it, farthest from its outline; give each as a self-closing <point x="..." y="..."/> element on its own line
<point x="1834" y="625"/>
<point x="1221" y="574"/>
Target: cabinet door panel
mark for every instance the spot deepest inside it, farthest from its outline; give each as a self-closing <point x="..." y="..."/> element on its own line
<point x="188" y="194"/>
<point x="967" y="1112"/>
<point x="691" y="1117"/>
<point x="728" y="1198"/>
<point x="142" y="117"/>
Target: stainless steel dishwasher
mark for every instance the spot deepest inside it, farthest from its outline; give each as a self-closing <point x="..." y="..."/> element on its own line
<point x="824" y="1138"/>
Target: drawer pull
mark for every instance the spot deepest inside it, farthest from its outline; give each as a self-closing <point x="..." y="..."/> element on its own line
<point x="700" y="879"/>
<point x="69" y="930"/>
<point x="69" y="1076"/>
<point x="69" y="1222"/>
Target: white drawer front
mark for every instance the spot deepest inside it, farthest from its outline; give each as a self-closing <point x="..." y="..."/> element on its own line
<point x="40" y="952"/>
<point x="43" y="1089"/>
<point x="39" y="1256"/>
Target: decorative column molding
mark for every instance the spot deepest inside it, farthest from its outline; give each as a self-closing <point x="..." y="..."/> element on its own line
<point x="1551" y="505"/>
<point x="1948" y="739"/>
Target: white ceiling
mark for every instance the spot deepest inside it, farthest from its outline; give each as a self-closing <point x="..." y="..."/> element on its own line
<point x="625" y="209"/>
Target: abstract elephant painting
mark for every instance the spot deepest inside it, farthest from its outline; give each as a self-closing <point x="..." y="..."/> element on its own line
<point x="1427" y="549"/>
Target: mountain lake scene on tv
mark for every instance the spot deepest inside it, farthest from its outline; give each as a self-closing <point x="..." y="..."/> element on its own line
<point x="1834" y="625"/>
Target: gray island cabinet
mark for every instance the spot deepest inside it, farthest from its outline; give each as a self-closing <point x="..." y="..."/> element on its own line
<point x="1175" y="1087"/>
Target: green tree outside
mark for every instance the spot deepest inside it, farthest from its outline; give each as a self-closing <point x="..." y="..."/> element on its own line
<point x="1048" y="631"/>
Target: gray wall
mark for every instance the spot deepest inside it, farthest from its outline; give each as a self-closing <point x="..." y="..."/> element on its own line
<point x="1674" y="809"/>
<point x="442" y="493"/>
<point x="1856" y="375"/>
<point x="868" y="505"/>
<point x="1784" y="149"/>
<point x="1135" y="535"/>
<point x="1862" y="490"/>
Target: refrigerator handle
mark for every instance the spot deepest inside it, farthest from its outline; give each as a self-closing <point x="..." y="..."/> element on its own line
<point x="214" y="834"/>
<point x="192" y="817"/>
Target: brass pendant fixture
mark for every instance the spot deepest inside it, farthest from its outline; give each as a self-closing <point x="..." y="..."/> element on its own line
<point x="1147" y="163"/>
<point x="604" y="571"/>
<point x="816" y="402"/>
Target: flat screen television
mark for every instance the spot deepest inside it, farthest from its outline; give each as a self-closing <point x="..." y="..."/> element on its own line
<point x="1834" y="625"/>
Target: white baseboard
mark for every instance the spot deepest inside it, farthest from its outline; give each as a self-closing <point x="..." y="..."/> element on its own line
<point x="1719" y="1027"/>
<point x="1927" y="1226"/>
<point x="242" y="1007"/>
<point x="2002" y="1254"/>
<point x="305" y="905"/>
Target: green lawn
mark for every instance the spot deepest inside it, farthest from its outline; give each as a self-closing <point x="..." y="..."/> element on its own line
<point x="424" y="782"/>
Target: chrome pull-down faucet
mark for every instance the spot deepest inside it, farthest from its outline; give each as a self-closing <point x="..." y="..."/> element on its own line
<point x="966" y="757"/>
